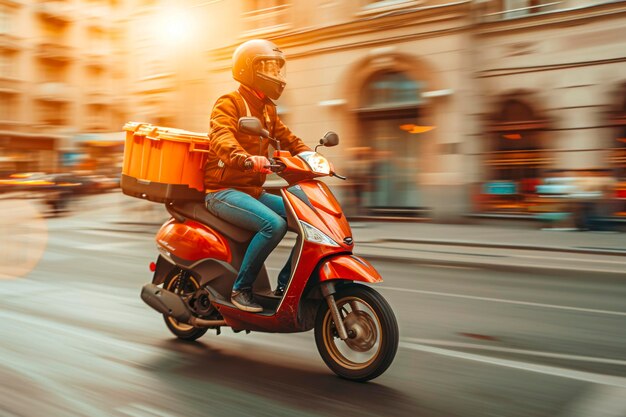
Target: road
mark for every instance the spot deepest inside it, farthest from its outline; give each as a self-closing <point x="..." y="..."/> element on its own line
<point x="78" y="341"/>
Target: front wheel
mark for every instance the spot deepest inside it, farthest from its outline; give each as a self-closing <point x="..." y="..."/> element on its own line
<point x="372" y="329"/>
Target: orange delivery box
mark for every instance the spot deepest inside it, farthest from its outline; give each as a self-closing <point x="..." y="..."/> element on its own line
<point x="163" y="164"/>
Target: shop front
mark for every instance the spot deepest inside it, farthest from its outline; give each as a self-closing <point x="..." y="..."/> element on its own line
<point x="516" y="159"/>
<point x="100" y="153"/>
<point x="23" y="152"/>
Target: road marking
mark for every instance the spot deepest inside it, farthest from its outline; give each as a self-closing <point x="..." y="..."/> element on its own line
<point x="499" y="300"/>
<point x="140" y="410"/>
<point x="578" y="259"/>
<point x="446" y="343"/>
<point x="449" y="266"/>
<point x="105" y="246"/>
<point x="524" y="366"/>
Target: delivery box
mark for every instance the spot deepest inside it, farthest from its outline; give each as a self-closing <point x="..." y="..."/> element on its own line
<point x="163" y="164"/>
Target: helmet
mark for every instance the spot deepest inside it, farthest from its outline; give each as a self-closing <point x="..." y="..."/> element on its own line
<point x="260" y="65"/>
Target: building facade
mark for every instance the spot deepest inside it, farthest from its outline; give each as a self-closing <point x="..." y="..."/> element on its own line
<point x="457" y="106"/>
<point x="59" y="82"/>
<point x="463" y="106"/>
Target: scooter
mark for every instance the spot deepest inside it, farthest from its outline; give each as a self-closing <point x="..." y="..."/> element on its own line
<point x="329" y="290"/>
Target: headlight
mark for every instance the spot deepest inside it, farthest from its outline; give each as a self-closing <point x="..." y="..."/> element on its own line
<point x="313" y="234"/>
<point x="316" y="162"/>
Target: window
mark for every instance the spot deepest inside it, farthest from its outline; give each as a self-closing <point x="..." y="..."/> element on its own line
<point x="97" y="114"/>
<point x="7" y="106"/>
<point x="517" y="8"/>
<point x="384" y="6"/>
<point x="53" y="113"/>
<point x="514" y="134"/>
<point x="5" y="19"/>
<point x="266" y="15"/>
<point x="7" y="64"/>
<point x="492" y="10"/>
<point x="391" y="89"/>
<point x="378" y="4"/>
<point x="97" y="41"/>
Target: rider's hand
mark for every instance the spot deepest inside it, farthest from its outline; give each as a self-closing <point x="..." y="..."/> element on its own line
<point x="258" y="163"/>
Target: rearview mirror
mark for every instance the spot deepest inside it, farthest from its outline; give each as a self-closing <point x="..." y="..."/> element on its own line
<point x="252" y="126"/>
<point x="330" y="139"/>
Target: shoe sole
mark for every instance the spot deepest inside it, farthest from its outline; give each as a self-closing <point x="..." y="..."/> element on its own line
<point x="247" y="308"/>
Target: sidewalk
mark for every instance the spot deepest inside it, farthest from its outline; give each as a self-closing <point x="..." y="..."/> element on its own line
<point x="489" y="247"/>
<point x="479" y="246"/>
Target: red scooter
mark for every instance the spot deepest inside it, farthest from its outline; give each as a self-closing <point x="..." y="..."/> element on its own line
<point x="355" y="329"/>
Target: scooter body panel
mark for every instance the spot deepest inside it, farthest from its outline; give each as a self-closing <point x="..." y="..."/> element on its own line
<point x="192" y="241"/>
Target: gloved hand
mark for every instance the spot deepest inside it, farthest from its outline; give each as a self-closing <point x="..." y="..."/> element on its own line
<point x="258" y="163"/>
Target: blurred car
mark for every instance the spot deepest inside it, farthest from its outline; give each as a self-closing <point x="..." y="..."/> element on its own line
<point x="25" y="181"/>
<point x="103" y="183"/>
<point x="67" y="183"/>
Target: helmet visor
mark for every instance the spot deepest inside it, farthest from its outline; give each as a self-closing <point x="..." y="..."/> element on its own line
<point x="271" y="68"/>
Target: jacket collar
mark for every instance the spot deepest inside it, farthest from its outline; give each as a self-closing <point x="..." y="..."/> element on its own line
<point x="252" y="99"/>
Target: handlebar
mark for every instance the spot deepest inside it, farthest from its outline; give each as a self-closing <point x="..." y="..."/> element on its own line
<point x="278" y="167"/>
<point x="273" y="166"/>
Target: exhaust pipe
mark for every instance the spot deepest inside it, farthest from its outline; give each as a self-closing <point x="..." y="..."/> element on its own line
<point x="165" y="302"/>
<point x="170" y="304"/>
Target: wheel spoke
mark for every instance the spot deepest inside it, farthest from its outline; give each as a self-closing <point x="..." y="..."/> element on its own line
<point x="362" y="349"/>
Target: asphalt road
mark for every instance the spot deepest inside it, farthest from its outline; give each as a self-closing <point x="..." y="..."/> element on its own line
<point x="78" y="341"/>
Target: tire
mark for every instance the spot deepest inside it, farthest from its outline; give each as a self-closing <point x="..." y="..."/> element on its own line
<point x="370" y="352"/>
<point x="182" y="330"/>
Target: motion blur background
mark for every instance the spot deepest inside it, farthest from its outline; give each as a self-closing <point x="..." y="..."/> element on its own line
<point x="446" y="110"/>
<point x="510" y="114"/>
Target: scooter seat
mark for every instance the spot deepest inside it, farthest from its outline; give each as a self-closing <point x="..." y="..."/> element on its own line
<point x="196" y="210"/>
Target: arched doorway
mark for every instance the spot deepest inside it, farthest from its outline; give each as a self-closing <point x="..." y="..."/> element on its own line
<point x="515" y="157"/>
<point x="617" y="151"/>
<point x="389" y="117"/>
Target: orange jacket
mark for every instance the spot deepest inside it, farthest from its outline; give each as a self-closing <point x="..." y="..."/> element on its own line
<point x="229" y="148"/>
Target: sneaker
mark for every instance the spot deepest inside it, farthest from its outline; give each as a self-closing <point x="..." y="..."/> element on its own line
<point x="242" y="299"/>
<point x="279" y="291"/>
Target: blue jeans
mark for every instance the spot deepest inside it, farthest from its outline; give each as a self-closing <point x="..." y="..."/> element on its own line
<point x="265" y="216"/>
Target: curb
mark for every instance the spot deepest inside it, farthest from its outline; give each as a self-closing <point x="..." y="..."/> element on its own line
<point x="534" y="269"/>
<point x="612" y="252"/>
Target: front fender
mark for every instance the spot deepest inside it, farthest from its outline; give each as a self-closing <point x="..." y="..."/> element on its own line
<point x="348" y="267"/>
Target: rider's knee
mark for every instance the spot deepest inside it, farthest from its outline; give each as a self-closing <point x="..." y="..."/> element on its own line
<point x="276" y="227"/>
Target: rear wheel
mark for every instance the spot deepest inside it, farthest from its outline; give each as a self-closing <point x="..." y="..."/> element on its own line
<point x="183" y="331"/>
<point x="372" y="329"/>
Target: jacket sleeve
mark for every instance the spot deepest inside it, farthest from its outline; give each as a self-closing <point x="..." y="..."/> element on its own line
<point x="288" y="140"/>
<point x="223" y="128"/>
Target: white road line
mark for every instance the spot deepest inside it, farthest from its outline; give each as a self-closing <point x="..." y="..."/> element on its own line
<point x="448" y="266"/>
<point x="577" y="259"/>
<point x="141" y="410"/>
<point x="446" y="343"/>
<point x="498" y="300"/>
<point x="524" y="366"/>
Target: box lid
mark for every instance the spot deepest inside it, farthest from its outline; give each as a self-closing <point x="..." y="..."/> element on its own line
<point x="161" y="132"/>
